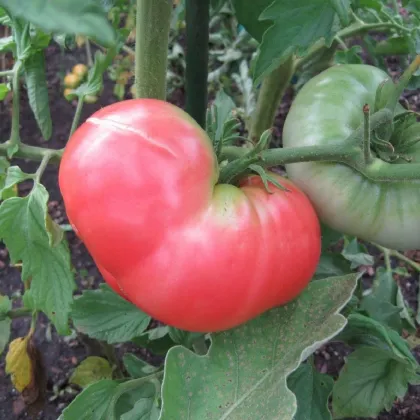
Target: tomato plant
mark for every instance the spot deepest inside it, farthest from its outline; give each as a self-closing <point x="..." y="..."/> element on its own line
<point x="239" y="241"/>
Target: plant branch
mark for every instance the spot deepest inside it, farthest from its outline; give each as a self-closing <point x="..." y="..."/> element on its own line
<point x="153" y="20"/>
<point x="88" y="53"/>
<point x="269" y="98"/>
<point x="366" y="135"/>
<point x="14" y="136"/>
<point x="109" y="352"/>
<point x="393" y="253"/>
<point x="77" y="115"/>
<point x="7" y="73"/>
<point x="197" y="58"/>
<point x="43" y="165"/>
<point x="35" y="153"/>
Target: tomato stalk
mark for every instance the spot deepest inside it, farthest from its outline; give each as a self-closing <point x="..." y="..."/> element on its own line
<point x="35" y="153"/>
<point x="14" y="135"/>
<point x="76" y="117"/>
<point x="153" y="18"/>
<point x="366" y="136"/>
<point x="196" y="73"/>
<point x="271" y="93"/>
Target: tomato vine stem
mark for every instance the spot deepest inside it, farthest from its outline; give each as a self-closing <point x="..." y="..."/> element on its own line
<point x="14" y="136"/>
<point x="153" y="19"/>
<point x="76" y="117"/>
<point x="366" y="136"/>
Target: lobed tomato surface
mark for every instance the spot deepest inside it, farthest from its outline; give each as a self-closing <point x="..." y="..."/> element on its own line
<point x="139" y="182"/>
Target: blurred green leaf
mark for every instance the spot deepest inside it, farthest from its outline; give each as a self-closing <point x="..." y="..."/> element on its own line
<point x="36" y="83"/>
<point x="248" y="14"/>
<point x="297" y="24"/>
<point x="84" y="17"/>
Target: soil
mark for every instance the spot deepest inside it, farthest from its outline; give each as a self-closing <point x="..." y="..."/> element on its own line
<point x="61" y="355"/>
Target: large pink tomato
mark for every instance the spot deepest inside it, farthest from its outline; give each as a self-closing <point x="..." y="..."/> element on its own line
<point x="139" y="182"/>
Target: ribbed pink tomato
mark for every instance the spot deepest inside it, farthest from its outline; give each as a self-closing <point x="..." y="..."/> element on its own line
<point x="139" y="182"/>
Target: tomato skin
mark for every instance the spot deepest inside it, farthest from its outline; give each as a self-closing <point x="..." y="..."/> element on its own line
<point x="325" y="111"/>
<point x="138" y="180"/>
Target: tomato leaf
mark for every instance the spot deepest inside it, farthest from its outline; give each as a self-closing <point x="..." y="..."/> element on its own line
<point x="349" y="56"/>
<point x="5" y="322"/>
<point x="90" y="370"/>
<point x="15" y="175"/>
<point x="23" y="229"/>
<point x="96" y="402"/>
<point x="297" y="24"/>
<point x="332" y="264"/>
<point x="370" y="381"/>
<point x="312" y="390"/>
<point x="93" y="403"/>
<point x="104" y="315"/>
<point x="136" y="367"/>
<point x="248" y="15"/>
<point x="184" y="338"/>
<point x="36" y="83"/>
<point x="19" y="364"/>
<point x="84" y="17"/>
<point x="157" y="340"/>
<point x="362" y="331"/>
<point x="7" y="43"/>
<point x="144" y="409"/>
<point x="342" y="8"/>
<point x="244" y="373"/>
<point x="4" y="90"/>
<point x="356" y="253"/>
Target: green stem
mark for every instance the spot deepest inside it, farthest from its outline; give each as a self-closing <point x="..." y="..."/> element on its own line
<point x="393" y="253"/>
<point x="14" y="136"/>
<point x="197" y="58"/>
<point x="366" y="136"/>
<point x="32" y="152"/>
<point x="7" y="73"/>
<point x="77" y="115"/>
<point x="109" y="352"/>
<point x="88" y="53"/>
<point x="396" y="7"/>
<point x="153" y="19"/>
<point x="128" y="50"/>
<point x="274" y="157"/>
<point x="269" y="98"/>
<point x="18" y="313"/>
<point x="43" y="165"/>
<point x="33" y="322"/>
